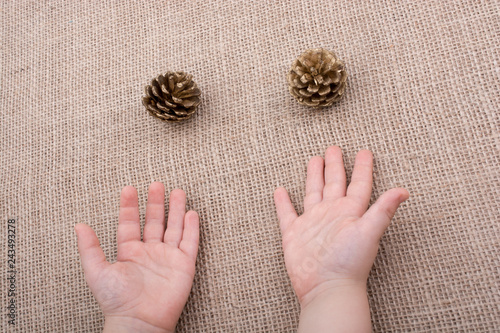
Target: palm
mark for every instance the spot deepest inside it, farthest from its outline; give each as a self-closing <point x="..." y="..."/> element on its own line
<point x="334" y="240"/>
<point x="151" y="280"/>
<point x="322" y="247"/>
<point x="148" y="282"/>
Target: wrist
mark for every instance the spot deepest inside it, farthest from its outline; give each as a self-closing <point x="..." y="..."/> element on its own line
<point x="129" y="324"/>
<point x="336" y="306"/>
<point x="334" y="288"/>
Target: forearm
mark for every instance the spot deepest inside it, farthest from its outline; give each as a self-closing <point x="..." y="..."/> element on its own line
<point x="126" y="324"/>
<point x="336" y="309"/>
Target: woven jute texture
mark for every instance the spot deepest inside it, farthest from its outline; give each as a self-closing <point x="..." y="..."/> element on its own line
<point x="422" y="94"/>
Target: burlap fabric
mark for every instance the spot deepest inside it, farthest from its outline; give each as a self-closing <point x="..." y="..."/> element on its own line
<point x="423" y="95"/>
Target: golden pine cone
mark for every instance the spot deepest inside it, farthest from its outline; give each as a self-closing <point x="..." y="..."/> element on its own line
<point x="317" y="78"/>
<point x="172" y="97"/>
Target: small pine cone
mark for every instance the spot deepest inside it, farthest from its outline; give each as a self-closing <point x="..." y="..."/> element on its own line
<point x="172" y="97"/>
<point x="317" y="78"/>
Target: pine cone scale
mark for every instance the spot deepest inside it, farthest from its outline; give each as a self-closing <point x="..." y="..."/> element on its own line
<point x="162" y="108"/>
<point x="313" y="88"/>
<point x="169" y="104"/>
<point x="324" y="90"/>
<point x="187" y="103"/>
<point x="191" y="92"/>
<point x="303" y="93"/>
<point x="165" y="91"/>
<point x="181" y="113"/>
<point x="157" y="92"/>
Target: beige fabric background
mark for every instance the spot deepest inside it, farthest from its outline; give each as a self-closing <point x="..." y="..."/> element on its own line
<point x="423" y="95"/>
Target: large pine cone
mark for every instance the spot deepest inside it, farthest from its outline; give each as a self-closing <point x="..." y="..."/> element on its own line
<point x="172" y="97"/>
<point x="317" y="78"/>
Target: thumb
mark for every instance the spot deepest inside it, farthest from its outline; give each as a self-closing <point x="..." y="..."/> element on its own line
<point x="284" y="208"/>
<point x="379" y="216"/>
<point x="91" y="254"/>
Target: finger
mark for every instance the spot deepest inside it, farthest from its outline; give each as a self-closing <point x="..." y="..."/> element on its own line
<point x="92" y="257"/>
<point x="380" y="214"/>
<point x="176" y="212"/>
<point x="335" y="183"/>
<point x="154" y="228"/>
<point x="360" y="188"/>
<point x="129" y="227"/>
<point x="284" y="208"/>
<point x="315" y="182"/>
<point x="190" y="235"/>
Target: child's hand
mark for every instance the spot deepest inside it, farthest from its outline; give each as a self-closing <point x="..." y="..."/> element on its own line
<point x="335" y="241"/>
<point x="148" y="286"/>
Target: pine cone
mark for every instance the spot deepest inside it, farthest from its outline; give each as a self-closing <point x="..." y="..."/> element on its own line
<point x="172" y="97"/>
<point x="317" y="78"/>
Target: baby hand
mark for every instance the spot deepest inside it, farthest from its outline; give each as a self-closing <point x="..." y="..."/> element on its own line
<point x="335" y="241"/>
<point x="148" y="286"/>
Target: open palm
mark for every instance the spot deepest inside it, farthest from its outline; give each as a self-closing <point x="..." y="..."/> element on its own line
<point x="149" y="284"/>
<point x="336" y="240"/>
